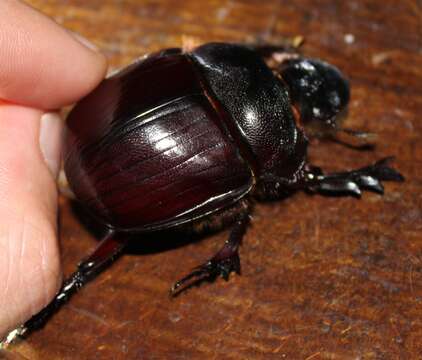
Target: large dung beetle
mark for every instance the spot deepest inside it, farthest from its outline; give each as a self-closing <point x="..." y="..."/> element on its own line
<point x="186" y="138"/>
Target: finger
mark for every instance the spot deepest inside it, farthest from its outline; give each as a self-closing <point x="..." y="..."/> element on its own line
<point x="41" y="64"/>
<point x="29" y="256"/>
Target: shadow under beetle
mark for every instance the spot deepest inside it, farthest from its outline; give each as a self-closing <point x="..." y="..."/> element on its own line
<point x="185" y="139"/>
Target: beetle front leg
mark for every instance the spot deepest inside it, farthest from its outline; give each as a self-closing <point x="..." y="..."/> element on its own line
<point x="225" y="261"/>
<point x="351" y="182"/>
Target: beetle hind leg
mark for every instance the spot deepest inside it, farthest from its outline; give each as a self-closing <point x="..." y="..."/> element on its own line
<point x="352" y="182"/>
<point x="106" y="252"/>
<point x="224" y="262"/>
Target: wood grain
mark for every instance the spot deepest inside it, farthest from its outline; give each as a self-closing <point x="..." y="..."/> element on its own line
<point x="322" y="278"/>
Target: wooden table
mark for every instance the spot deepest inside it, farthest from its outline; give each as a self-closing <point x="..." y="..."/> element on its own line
<point x="323" y="278"/>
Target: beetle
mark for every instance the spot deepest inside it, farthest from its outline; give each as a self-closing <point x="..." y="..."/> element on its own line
<point x="186" y="138"/>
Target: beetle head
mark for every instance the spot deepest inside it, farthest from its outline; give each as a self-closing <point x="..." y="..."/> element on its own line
<point x="319" y="92"/>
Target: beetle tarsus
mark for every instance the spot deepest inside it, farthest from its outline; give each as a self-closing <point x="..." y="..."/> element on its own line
<point x="107" y="250"/>
<point x="69" y="287"/>
<point x="221" y="264"/>
<point x="353" y="182"/>
<point x="208" y="271"/>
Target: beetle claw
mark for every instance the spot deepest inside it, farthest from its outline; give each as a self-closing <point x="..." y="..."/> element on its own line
<point x="208" y="272"/>
<point x="370" y="177"/>
<point x="221" y="264"/>
<point x="382" y="171"/>
<point x="353" y="182"/>
<point x="192" y="279"/>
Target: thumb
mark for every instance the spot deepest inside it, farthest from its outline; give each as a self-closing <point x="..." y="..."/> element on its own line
<point x="41" y="64"/>
<point x="29" y="255"/>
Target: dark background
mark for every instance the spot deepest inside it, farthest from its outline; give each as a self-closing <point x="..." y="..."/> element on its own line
<point x="322" y="278"/>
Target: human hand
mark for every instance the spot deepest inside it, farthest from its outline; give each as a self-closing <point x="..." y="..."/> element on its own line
<point x="42" y="68"/>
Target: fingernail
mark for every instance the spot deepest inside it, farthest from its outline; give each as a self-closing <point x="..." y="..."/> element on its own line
<point x="84" y="41"/>
<point x="51" y="129"/>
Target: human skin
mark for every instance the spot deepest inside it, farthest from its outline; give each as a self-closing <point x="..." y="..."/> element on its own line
<point x="42" y="68"/>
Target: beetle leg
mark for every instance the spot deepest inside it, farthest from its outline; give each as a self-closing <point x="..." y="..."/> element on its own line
<point x="222" y="263"/>
<point x="266" y="49"/>
<point x="274" y="55"/>
<point x="107" y="250"/>
<point x="351" y="182"/>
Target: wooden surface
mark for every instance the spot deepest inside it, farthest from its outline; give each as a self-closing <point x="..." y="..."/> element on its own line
<point x="322" y="278"/>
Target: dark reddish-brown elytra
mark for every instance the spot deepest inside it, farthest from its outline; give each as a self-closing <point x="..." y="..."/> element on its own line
<point x="156" y="162"/>
<point x="182" y="138"/>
